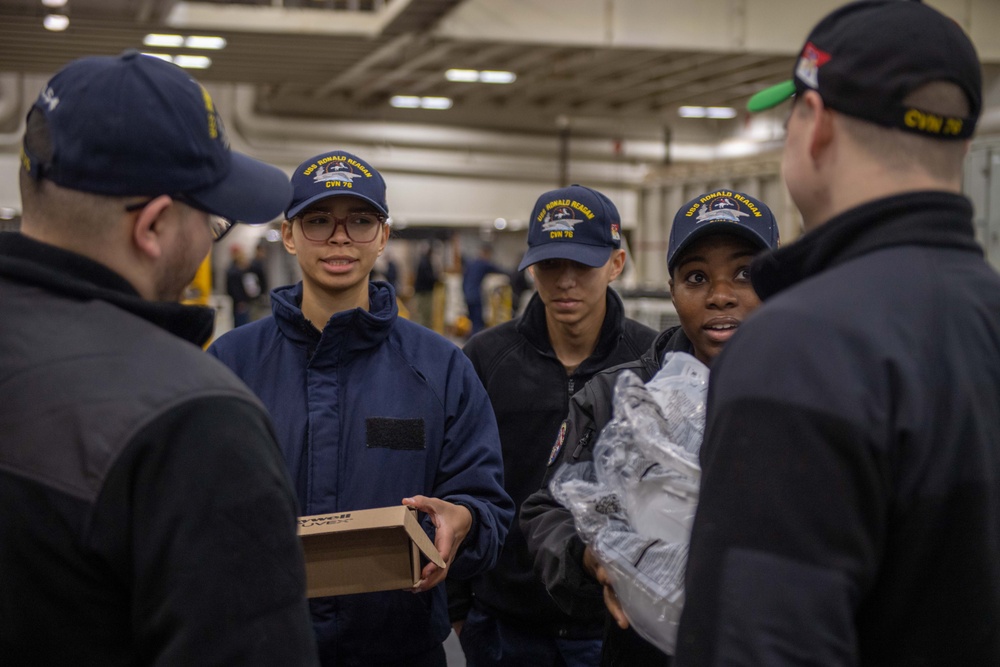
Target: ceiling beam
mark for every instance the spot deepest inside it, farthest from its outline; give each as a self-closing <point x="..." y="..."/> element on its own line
<point x="691" y="91"/>
<point x="384" y="52"/>
<point x="492" y="56"/>
<point x="388" y="79"/>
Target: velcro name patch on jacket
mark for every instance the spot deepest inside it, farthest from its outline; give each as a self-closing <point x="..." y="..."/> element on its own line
<point x="388" y="433"/>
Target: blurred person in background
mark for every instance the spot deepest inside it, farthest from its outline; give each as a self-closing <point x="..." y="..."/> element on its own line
<point x="242" y="285"/>
<point x="260" y="306"/>
<point x="473" y="275"/>
<point x="424" y="281"/>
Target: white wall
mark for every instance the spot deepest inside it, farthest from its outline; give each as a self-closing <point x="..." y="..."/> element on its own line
<point x="10" y="197"/>
<point x="767" y="26"/>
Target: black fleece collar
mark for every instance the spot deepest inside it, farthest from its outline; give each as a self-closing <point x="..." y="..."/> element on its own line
<point x="71" y="275"/>
<point x="533" y="327"/>
<point x="940" y="219"/>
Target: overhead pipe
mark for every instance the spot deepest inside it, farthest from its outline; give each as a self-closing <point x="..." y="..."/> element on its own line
<point x="431" y="149"/>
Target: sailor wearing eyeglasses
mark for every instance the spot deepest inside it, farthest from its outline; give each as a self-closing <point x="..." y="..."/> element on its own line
<point x="372" y="410"/>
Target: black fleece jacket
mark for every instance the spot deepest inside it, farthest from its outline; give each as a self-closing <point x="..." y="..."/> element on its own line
<point x="850" y="495"/>
<point x="553" y="543"/>
<point x="530" y="391"/>
<point x="145" y="514"/>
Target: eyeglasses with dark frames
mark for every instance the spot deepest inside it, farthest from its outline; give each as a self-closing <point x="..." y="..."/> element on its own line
<point x="320" y="226"/>
<point x="218" y="225"/>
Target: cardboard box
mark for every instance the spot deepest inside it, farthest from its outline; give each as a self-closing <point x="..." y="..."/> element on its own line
<point x="364" y="551"/>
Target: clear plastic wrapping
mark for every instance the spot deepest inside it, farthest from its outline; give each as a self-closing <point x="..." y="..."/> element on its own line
<point x="635" y="502"/>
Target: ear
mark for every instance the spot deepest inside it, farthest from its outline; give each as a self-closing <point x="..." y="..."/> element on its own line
<point x="148" y="227"/>
<point x="531" y="270"/>
<point x="384" y="237"/>
<point x="670" y="287"/>
<point x="287" y="238"/>
<point x="820" y="118"/>
<point x="617" y="263"/>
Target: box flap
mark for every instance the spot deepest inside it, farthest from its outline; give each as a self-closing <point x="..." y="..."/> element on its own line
<point x="419" y="537"/>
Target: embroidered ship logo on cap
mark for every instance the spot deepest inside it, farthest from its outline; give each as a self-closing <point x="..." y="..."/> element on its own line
<point x="720" y="208"/>
<point x="560" y="218"/>
<point x="335" y="171"/>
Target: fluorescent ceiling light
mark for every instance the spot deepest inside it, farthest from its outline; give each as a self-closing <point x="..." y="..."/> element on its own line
<point x="170" y="41"/>
<point x="193" y="62"/>
<point x="486" y="76"/>
<point x="496" y="76"/>
<point x="190" y="62"/>
<point x="177" y="41"/>
<point x="435" y="102"/>
<point x="56" y="22"/>
<point x="54" y="4"/>
<point x="405" y="101"/>
<point x="462" y="75"/>
<point x="721" y="112"/>
<point x="415" y="102"/>
<point x="205" y="42"/>
<point x="691" y="112"/>
<point x="707" y="112"/>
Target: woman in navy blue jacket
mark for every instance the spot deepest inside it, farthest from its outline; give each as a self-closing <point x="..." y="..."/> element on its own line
<point x="371" y="410"/>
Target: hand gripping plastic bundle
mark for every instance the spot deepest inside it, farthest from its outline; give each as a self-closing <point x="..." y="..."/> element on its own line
<point x="634" y="503"/>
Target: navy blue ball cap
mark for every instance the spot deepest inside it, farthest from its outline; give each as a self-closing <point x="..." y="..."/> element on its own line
<point x="721" y="212"/>
<point x="137" y="125"/>
<point x="334" y="174"/>
<point x="576" y="223"/>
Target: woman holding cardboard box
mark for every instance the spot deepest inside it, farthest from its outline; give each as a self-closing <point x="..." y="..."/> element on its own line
<point x="371" y="409"/>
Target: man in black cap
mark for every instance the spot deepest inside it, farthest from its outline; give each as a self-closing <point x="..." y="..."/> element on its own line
<point x="146" y="517"/>
<point x="574" y="326"/>
<point x="850" y="500"/>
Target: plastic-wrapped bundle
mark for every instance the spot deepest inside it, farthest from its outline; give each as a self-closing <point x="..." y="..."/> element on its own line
<point x="648" y="577"/>
<point x="635" y="503"/>
<point x="593" y="504"/>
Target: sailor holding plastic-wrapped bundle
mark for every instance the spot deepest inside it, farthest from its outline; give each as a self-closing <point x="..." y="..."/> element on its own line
<point x="633" y="490"/>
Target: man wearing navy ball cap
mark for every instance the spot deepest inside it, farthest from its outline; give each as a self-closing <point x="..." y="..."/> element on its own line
<point x="850" y="499"/>
<point x="574" y="326"/>
<point x="372" y="409"/>
<point x="145" y="517"/>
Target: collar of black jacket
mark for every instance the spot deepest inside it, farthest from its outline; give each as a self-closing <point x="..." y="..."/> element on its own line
<point x="31" y="262"/>
<point x="533" y="327"/>
<point x="940" y="219"/>
<point x="672" y="339"/>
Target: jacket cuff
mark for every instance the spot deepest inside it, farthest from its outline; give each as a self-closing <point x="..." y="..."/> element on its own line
<point x="473" y="535"/>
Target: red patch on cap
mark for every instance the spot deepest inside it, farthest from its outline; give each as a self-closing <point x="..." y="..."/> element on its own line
<point x="815" y="54"/>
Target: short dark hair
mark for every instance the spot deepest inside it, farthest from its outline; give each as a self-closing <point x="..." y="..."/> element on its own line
<point x="37" y="141"/>
<point x="37" y="137"/>
<point x="901" y="150"/>
<point x="50" y="205"/>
